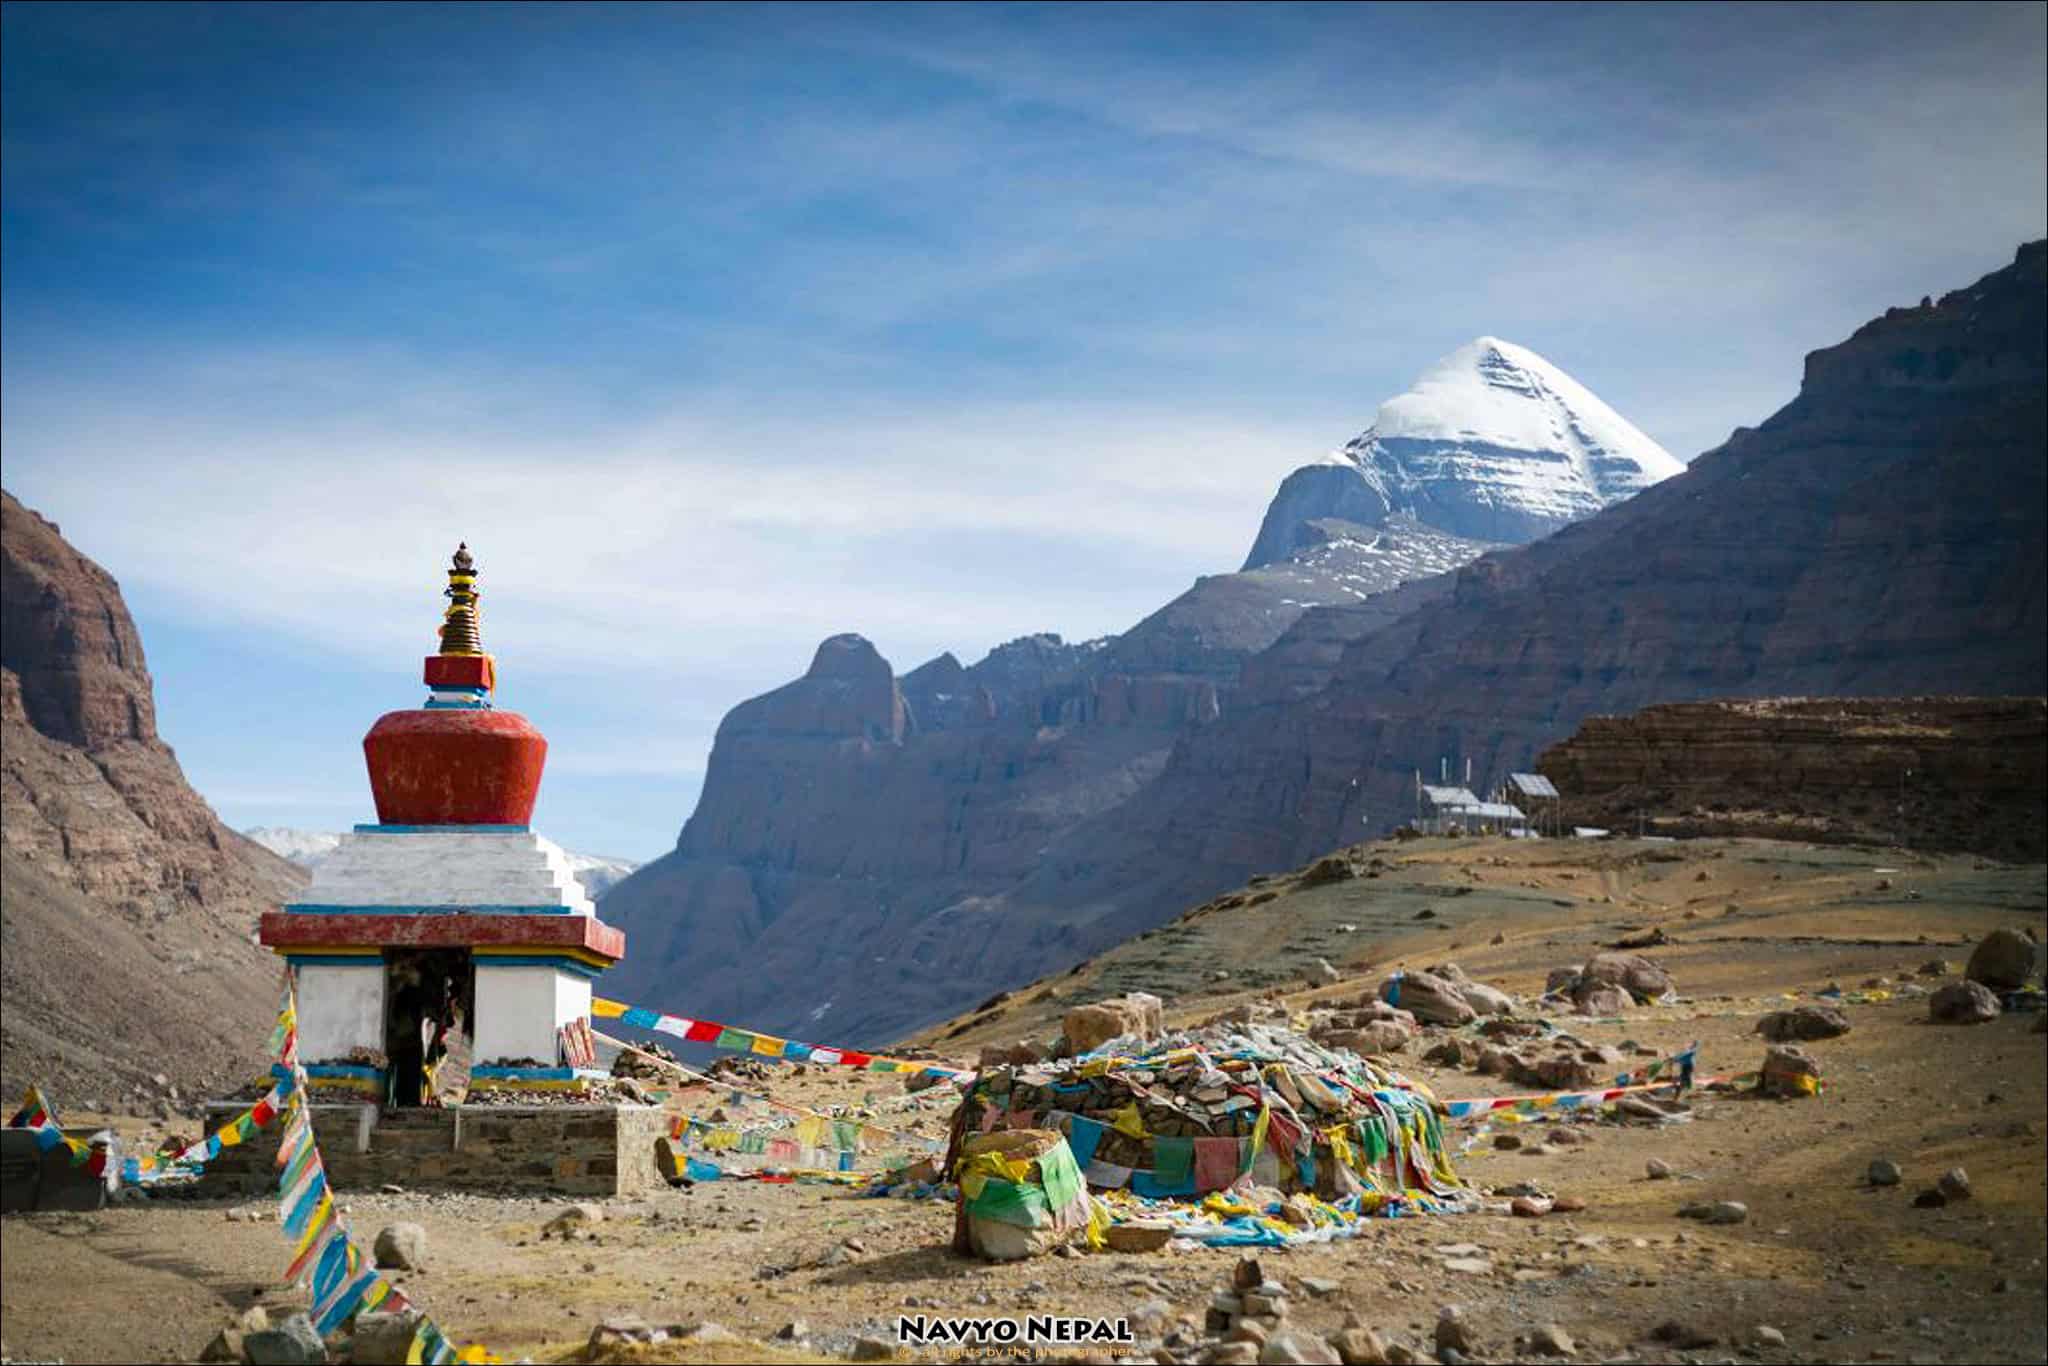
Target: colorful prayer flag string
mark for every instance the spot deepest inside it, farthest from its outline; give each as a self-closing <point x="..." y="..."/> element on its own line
<point x="735" y="1039"/>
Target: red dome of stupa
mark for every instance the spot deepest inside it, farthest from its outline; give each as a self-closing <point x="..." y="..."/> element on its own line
<point x="457" y="760"/>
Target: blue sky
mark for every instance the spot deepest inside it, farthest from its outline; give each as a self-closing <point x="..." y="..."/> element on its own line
<point x="718" y="330"/>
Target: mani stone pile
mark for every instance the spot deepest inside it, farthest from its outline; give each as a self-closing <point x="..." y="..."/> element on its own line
<point x="1190" y="1113"/>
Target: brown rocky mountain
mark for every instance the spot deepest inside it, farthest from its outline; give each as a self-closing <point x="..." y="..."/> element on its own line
<point x="1883" y="534"/>
<point x="127" y="906"/>
<point x="1936" y="773"/>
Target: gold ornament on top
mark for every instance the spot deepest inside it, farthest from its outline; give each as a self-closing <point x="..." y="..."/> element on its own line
<point x="462" y="623"/>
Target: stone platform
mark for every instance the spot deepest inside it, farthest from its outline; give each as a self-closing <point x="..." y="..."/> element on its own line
<point x="601" y="1150"/>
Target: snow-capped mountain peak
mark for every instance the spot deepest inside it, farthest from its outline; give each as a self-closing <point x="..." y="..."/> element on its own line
<point x="1493" y="443"/>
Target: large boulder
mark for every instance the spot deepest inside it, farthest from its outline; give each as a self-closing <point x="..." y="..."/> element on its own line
<point x="2005" y="961"/>
<point x="1803" y="1022"/>
<point x="1487" y="1000"/>
<point x="1562" y="1072"/>
<point x="295" y="1342"/>
<point x="1603" y="1001"/>
<point x="1962" y="1003"/>
<point x="384" y="1339"/>
<point x="1428" y="997"/>
<point x="400" y="1247"/>
<point x="1381" y="1036"/>
<point x="1632" y="972"/>
<point x="1789" y="1071"/>
<point x="1091" y="1026"/>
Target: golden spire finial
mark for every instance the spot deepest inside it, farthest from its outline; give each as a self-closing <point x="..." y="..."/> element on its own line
<point x="462" y="624"/>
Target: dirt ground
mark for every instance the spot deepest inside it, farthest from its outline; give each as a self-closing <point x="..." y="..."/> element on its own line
<point x="1846" y="1272"/>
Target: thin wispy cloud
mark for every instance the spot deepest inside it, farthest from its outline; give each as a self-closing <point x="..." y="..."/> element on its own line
<point x="721" y="329"/>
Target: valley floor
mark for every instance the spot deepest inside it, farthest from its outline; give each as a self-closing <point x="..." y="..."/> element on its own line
<point x="1844" y="1271"/>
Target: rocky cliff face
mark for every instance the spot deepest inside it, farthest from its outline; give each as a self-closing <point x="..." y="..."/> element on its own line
<point x="1936" y="773"/>
<point x="117" y="873"/>
<point x="1882" y="535"/>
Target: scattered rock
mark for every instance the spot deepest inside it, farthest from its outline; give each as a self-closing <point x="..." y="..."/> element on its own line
<point x="1451" y="1329"/>
<point x="1682" y="1336"/>
<point x="295" y="1342"/>
<point x="794" y="1331"/>
<point x="1657" y="1169"/>
<point x="1716" y="1212"/>
<point x="1789" y="1071"/>
<point x="1428" y="997"/>
<point x="1247" y="1274"/>
<point x="400" y="1247"/>
<point x="1963" y="1003"/>
<point x="1231" y="1354"/>
<point x="1802" y="1023"/>
<point x="1089" y="1027"/>
<point x="384" y="1339"/>
<point x="1632" y="972"/>
<point x="1318" y="1286"/>
<point x="1139" y="1235"/>
<point x="1360" y="1347"/>
<point x="2005" y="960"/>
<point x="572" y="1219"/>
<point x="1529" y="1207"/>
<point x="872" y="1349"/>
<point x="1954" y="1184"/>
<point x="1552" y="1341"/>
<point x="1885" y="1172"/>
<point x="1507" y="1143"/>
<point x="1767" y="1336"/>
<point x="1603" y="1000"/>
<point x="1296" y="1348"/>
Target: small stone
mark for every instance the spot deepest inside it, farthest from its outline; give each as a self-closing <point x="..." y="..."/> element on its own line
<point x="1567" y="1204"/>
<point x="1451" y="1329"/>
<point x="793" y="1331"/>
<point x="1529" y="1207"/>
<point x="1507" y="1143"/>
<point x="1296" y="1348"/>
<point x="1231" y="1354"/>
<point x="1139" y="1235"/>
<point x="1268" y="1301"/>
<point x="572" y="1219"/>
<point x="1360" y="1347"/>
<point x="1247" y="1330"/>
<point x="295" y="1342"/>
<point x="1658" y="1169"/>
<point x="1954" y="1183"/>
<point x="1767" y="1336"/>
<point x="1885" y="1172"/>
<point x="1681" y="1336"/>
<point x="1725" y="1212"/>
<point x="1470" y="1266"/>
<point x="1318" y="1286"/>
<point x="400" y="1247"/>
<point x="1401" y="1354"/>
<point x="1247" y="1274"/>
<point x="1552" y="1341"/>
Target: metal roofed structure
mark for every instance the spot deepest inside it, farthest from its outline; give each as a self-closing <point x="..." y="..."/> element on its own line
<point x="1533" y="785"/>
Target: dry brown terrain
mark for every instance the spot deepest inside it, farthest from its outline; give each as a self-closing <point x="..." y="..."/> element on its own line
<point x="1845" y="1272"/>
